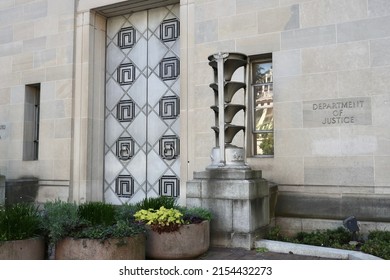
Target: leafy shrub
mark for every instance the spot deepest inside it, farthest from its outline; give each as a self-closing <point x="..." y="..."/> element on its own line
<point x="169" y="217"/>
<point x="161" y="220"/>
<point x="274" y="234"/>
<point x="125" y="212"/>
<point x="379" y="235"/>
<point x="19" y="221"/>
<point x="378" y="244"/>
<point x="118" y="230"/>
<point x="195" y="215"/>
<point x="59" y="219"/>
<point x="328" y="238"/>
<point x="95" y="220"/>
<point x="101" y="221"/>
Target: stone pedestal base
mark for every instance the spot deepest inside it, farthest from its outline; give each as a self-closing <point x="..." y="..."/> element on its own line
<point x="238" y="200"/>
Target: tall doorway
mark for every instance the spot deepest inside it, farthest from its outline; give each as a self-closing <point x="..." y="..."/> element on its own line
<point x="142" y="143"/>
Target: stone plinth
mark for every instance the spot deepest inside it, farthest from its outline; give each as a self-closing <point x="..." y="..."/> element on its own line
<point x="238" y="200"/>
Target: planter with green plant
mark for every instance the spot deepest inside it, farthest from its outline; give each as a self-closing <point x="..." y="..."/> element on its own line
<point x="20" y="233"/>
<point x="376" y="243"/>
<point x="94" y="230"/>
<point x="174" y="232"/>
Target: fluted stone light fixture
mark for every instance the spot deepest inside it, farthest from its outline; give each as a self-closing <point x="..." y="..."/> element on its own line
<point x="236" y="195"/>
<point x="226" y="155"/>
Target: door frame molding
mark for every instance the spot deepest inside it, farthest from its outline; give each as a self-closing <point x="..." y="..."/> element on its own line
<point x="87" y="162"/>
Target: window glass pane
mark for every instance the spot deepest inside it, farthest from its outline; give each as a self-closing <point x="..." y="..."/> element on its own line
<point x="262" y="73"/>
<point x="264" y="119"/>
<point x="263" y="114"/>
<point x="264" y="144"/>
<point x="262" y="98"/>
<point x="31" y="122"/>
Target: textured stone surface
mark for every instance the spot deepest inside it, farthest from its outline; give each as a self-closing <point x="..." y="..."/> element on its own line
<point x="363" y="29"/>
<point x="48" y="42"/>
<point x="333" y="206"/>
<point x="189" y="241"/>
<point x="308" y="37"/>
<point x="130" y="248"/>
<point x="27" y="249"/>
<point x="240" y="207"/>
<point x="288" y="18"/>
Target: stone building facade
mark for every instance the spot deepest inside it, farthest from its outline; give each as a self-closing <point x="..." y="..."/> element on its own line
<point x="110" y="100"/>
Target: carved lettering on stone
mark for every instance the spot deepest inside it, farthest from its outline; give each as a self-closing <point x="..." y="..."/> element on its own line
<point x="337" y="112"/>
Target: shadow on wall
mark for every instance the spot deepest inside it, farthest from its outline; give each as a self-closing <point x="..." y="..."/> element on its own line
<point x="24" y="189"/>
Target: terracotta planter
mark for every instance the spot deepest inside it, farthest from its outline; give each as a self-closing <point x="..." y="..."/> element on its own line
<point x="129" y="248"/>
<point x="188" y="242"/>
<point x="27" y="249"/>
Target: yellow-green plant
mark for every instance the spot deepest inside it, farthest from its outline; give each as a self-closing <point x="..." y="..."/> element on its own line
<point x="161" y="220"/>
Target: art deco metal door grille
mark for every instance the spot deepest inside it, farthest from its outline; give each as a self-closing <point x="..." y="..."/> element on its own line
<point x="142" y="145"/>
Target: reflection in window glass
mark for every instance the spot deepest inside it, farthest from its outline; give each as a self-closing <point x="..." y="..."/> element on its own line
<point x="262" y="73"/>
<point x="263" y="119"/>
<point x="264" y="143"/>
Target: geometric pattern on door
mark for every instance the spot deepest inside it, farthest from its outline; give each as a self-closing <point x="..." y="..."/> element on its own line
<point x="169" y="107"/>
<point x="142" y="108"/>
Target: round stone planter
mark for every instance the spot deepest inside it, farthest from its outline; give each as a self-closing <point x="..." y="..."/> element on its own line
<point x="188" y="242"/>
<point x="26" y="249"/>
<point x="128" y="248"/>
